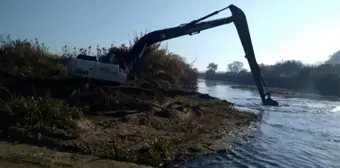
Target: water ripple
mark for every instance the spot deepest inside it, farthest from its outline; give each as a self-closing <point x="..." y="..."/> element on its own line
<point x="300" y="133"/>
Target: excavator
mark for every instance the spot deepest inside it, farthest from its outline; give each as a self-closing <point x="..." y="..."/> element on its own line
<point x="89" y="67"/>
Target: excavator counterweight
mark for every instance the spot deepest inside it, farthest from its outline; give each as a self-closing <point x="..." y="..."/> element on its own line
<point x="132" y="60"/>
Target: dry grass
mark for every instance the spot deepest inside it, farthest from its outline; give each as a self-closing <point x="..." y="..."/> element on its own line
<point x="33" y="58"/>
<point x="29" y="58"/>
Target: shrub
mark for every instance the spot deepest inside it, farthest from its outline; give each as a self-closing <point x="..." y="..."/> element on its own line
<point x="160" y="151"/>
<point x="159" y="59"/>
<point x="157" y="153"/>
<point x="37" y="114"/>
<point x="28" y="58"/>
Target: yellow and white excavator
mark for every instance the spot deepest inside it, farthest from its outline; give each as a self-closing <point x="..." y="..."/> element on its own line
<point x="127" y="68"/>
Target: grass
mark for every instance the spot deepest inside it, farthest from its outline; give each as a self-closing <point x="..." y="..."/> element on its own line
<point x="38" y="115"/>
<point x="157" y="152"/>
<point x="160" y="150"/>
<point x="29" y="58"/>
<point x="184" y="100"/>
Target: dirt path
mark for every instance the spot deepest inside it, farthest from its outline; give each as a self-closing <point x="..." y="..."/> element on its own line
<point x="26" y="156"/>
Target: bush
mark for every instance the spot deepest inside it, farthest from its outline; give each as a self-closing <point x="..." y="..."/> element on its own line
<point x="28" y="58"/>
<point x="158" y="60"/>
<point x="37" y="114"/>
<point x="157" y="153"/>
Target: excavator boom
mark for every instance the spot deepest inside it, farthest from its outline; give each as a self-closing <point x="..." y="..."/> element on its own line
<point x="196" y="26"/>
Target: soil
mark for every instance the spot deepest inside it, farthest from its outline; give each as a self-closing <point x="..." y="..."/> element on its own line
<point x="122" y="122"/>
<point x="27" y="156"/>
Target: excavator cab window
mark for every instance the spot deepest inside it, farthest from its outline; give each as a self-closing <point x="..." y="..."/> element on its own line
<point x="87" y="57"/>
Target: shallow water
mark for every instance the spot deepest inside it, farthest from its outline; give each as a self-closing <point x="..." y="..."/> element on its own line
<point x="299" y="133"/>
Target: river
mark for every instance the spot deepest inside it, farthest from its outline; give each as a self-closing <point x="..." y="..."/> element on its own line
<point x="302" y="133"/>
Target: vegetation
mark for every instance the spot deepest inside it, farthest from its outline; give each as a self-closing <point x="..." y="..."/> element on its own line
<point x="334" y="58"/>
<point x="40" y="104"/>
<point x="37" y="115"/>
<point x="39" y="111"/>
<point x="33" y="58"/>
<point x="321" y="79"/>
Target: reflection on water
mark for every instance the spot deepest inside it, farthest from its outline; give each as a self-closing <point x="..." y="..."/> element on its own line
<point x="298" y="133"/>
<point x="210" y="83"/>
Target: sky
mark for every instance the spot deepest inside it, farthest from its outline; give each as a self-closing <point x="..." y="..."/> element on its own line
<point x="305" y="30"/>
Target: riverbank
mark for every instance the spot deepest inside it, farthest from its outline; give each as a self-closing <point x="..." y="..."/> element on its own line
<point x="143" y="126"/>
<point x="28" y="156"/>
<point x="148" y="121"/>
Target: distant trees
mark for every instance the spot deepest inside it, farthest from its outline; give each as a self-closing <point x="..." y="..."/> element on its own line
<point x="322" y="78"/>
<point x="283" y="68"/>
<point x="235" y="67"/>
<point x="212" y="67"/>
<point x="334" y="58"/>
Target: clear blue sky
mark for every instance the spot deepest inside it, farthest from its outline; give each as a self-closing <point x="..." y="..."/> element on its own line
<point x="307" y="30"/>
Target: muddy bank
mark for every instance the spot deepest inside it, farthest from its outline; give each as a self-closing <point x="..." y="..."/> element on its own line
<point x="143" y="125"/>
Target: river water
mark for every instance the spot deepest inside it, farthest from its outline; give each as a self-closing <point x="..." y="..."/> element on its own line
<point x="299" y="133"/>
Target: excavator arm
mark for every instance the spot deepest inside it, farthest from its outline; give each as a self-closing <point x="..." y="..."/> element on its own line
<point x="196" y="26"/>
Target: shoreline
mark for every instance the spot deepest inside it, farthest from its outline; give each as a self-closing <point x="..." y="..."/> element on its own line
<point x="278" y="91"/>
<point x="152" y="127"/>
<point x="287" y="92"/>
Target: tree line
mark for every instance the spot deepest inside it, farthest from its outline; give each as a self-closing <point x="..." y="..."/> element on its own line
<point x="322" y="78"/>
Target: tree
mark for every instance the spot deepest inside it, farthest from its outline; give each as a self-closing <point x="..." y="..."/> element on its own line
<point x="289" y="67"/>
<point x="235" y="66"/>
<point x="243" y="72"/>
<point x="212" y="67"/>
<point x="334" y="58"/>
